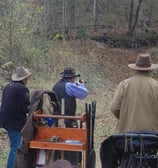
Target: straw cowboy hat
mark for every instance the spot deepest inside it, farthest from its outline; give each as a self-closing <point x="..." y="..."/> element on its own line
<point x="143" y="63"/>
<point x="69" y="73"/>
<point x="21" y="73"/>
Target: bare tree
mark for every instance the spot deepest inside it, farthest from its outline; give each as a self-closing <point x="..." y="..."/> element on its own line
<point x="72" y="14"/>
<point x="95" y="14"/>
<point x="64" y="15"/>
<point x="130" y="17"/>
<point x="133" y="19"/>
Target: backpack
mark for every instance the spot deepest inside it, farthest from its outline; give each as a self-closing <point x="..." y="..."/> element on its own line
<point x="45" y="100"/>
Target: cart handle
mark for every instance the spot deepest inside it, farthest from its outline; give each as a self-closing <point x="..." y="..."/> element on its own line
<point x="82" y="118"/>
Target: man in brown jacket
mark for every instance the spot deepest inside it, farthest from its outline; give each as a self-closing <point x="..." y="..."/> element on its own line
<point x="135" y="103"/>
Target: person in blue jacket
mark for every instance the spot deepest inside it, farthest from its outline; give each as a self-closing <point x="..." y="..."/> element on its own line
<point x="69" y="89"/>
<point x="14" y="109"/>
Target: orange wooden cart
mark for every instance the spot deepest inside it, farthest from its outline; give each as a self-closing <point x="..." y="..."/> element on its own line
<point x="79" y="134"/>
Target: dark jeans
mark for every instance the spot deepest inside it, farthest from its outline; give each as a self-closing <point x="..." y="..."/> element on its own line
<point x="15" y="141"/>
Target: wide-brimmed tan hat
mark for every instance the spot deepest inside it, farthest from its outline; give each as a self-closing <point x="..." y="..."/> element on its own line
<point x="21" y="73"/>
<point x="69" y="73"/>
<point x="143" y="63"/>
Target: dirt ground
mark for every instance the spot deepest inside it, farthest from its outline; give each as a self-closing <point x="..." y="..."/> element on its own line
<point x="111" y="67"/>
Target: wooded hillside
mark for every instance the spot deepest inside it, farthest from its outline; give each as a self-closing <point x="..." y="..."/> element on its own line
<point x="34" y="33"/>
<point x="28" y="28"/>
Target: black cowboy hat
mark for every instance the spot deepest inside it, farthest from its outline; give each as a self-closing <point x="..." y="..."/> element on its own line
<point x="69" y="73"/>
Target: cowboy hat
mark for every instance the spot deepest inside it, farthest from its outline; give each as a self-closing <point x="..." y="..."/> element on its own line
<point x="143" y="63"/>
<point x="21" y="73"/>
<point x="69" y="73"/>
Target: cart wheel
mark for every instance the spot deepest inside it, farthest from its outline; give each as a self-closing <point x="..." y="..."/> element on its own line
<point x="92" y="159"/>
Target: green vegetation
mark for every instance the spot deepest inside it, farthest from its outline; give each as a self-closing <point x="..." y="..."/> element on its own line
<point x="81" y="32"/>
<point x="3" y="156"/>
<point x="3" y="147"/>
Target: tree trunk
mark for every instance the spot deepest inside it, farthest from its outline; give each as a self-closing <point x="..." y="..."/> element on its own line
<point x="132" y="24"/>
<point x="72" y="14"/>
<point x="130" y="17"/>
<point x="136" y="17"/>
<point x="95" y="14"/>
<point x="64" y="15"/>
<point x="150" y="13"/>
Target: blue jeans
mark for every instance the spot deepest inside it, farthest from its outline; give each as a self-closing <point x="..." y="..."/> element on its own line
<point x="15" y="141"/>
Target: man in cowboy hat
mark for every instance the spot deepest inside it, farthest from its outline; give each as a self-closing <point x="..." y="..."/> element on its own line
<point x="135" y="103"/>
<point x="68" y="89"/>
<point x="15" y="100"/>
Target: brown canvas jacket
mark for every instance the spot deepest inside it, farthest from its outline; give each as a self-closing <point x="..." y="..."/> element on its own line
<point x="135" y="104"/>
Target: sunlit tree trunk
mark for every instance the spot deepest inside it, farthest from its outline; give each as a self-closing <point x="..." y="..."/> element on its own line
<point x="95" y="14"/>
<point x="64" y="15"/>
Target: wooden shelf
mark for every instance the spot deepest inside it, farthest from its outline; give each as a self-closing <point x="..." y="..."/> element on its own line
<point x="37" y="144"/>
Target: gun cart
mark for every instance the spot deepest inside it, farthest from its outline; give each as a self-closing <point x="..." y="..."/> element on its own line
<point x="69" y="139"/>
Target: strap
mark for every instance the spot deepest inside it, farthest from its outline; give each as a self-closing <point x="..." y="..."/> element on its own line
<point x="141" y="149"/>
<point x="126" y="144"/>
